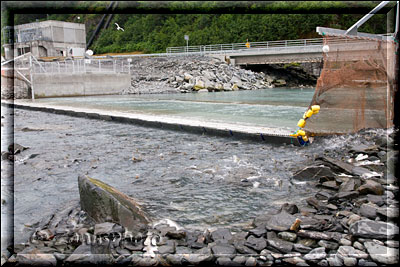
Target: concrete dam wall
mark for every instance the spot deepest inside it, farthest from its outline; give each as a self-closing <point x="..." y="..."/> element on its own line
<point x="79" y="84"/>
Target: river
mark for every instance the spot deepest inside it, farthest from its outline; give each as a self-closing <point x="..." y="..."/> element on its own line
<point x="195" y="180"/>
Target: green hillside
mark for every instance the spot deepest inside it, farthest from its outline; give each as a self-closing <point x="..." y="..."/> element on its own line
<point x="152" y="33"/>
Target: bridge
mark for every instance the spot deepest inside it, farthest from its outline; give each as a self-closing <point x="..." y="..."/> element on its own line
<point x="268" y="52"/>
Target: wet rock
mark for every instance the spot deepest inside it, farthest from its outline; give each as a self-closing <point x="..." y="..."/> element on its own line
<point x="382" y="254"/>
<point x="255" y="243"/>
<point x="290" y="208"/>
<point x="102" y="201"/>
<point x="313" y="173"/>
<point x="374" y="229"/>
<point x="298" y="261"/>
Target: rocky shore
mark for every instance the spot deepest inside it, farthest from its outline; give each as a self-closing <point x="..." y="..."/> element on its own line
<point x="206" y="74"/>
<point x="350" y="221"/>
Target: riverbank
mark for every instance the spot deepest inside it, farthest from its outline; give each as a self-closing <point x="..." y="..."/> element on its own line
<point x="344" y="197"/>
<point x="209" y="74"/>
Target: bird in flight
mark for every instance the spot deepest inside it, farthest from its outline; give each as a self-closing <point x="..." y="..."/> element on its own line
<point x="119" y="28"/>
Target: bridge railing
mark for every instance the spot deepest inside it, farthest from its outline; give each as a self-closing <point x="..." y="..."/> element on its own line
<point x="243" y="46"/>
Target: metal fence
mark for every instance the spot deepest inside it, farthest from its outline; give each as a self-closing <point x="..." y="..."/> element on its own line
<point x="82" y="66"/>
<point x="239" y="47"/>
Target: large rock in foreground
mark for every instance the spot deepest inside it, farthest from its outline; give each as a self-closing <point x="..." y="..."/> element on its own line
<point x="104" y="203"/>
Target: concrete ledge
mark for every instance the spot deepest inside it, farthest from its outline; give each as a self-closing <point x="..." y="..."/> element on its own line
<point x="235" y="134"/>
<point x="79" y="84"/>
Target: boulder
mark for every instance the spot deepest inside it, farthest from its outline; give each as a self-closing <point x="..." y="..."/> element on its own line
<point x="199" y="85"/>
<point x="280" y="222"/>
<point x="371" y="187"/>
<point x="373" y="229"/>
<point x="104" y="203"/>
<point x="314" y="173"/>
<point x="382" y="254"/>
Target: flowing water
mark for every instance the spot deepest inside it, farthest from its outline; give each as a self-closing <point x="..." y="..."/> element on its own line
<point x="276" y="108"/>
<point x="195" y="180"/>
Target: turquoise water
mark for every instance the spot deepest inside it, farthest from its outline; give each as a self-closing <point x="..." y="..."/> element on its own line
<point x="275" y="108"/>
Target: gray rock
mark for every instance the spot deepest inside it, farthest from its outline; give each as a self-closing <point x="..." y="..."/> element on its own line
<point x="347" y="261"/>
<point x="382" y="254"/>
<point x="281" y="245"/>
<point x="166" y="249"/>
<point x="294" y="261"/>
<point x="84" y="255"/>
<point x="35" y="257"/>
<point x="255" y="243"/>
<point x="224" y="250"/>
<point x="328" y="244"/>
<point x="390" y="213"/>
<point x="350" y="252"/>
<point x="258" y="232"/>
<point x="374" y="229"/>
<point x="371" y="187"/>
<point x="176" y="234"/>
<point x="301" y="248"/>
<point x="280" y="222"/>
<point x="107" y="228"/>
<point x="224" y="261"/>
<point x="102" y="201"/>
<point x="221" y="235"/>
<point x="378" y="200"/>
<point x="201" y="256"/>
<point x="288" y="236"/>
<point x="316" y="254"/>
<point x="368" y="210"/>
<point x="313" y="173"/>
<point x="251" y="261"/>
<point x="314" y="235"/>
<point x="240" y="260"/>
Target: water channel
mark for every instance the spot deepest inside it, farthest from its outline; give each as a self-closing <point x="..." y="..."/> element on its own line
<point x="196" y="180"/>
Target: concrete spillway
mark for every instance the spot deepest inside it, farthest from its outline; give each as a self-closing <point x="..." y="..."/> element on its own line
<point x="235" y="131"/>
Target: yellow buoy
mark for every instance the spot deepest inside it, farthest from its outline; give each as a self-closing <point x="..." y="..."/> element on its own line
<point x="315" y="108"/>
<point x="301" y="132"/>
<point x="309" y="113"/>
<point x="301" y="123"/>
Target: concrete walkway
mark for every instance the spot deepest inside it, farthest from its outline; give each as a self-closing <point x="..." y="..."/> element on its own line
<point x="254" y="133"/>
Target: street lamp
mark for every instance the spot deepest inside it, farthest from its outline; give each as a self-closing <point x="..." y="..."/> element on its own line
<point x="187" y="43"/>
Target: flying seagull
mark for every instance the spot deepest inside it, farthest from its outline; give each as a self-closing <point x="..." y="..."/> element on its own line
<point x="119" y="28"/>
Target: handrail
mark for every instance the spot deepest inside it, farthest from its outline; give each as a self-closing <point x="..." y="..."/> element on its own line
<point x="240" y="46"/>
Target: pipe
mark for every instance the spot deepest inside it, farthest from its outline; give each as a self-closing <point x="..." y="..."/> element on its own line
<point x="98" y="26"/>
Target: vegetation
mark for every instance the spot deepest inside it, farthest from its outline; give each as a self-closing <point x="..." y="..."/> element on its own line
<point x="253" y="20"/>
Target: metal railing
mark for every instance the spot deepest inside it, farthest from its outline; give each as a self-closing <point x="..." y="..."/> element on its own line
<point x="82" y="66"/>
<point x="240" y="47"/>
